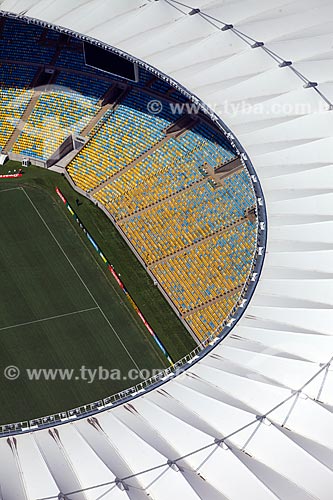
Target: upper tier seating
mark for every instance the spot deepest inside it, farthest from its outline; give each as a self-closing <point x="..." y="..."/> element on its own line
<point x="218" y="149"/>
<point x="72" y="57"/>
<point x="87" y="86"/>
<point x="22" y="43"/>
<point x="160" y="86"/>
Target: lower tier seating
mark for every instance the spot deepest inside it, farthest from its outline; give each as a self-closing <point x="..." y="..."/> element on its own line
<point x="14" y="96"/>
<point x="210" y="269"/>
<point x="55" y="116"/>
<point x="187" y="218"/>
<point x="170" y="169"/>
<point x="208" y="322"/>
<point x="129" y="133"/>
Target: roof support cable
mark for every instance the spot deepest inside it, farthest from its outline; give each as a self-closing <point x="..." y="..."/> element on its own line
<point x="257" y="44"/>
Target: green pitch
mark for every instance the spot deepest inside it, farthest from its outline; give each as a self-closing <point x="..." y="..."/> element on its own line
<point x="61" y="308"/>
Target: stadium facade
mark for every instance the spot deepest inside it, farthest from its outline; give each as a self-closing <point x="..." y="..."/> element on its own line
<point x="253" y="418"/>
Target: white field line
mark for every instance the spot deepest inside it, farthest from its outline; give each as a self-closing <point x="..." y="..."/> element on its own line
<point x="10" y="189"/>
<point x="48" y="319"/>
<point x="80" y="278"/>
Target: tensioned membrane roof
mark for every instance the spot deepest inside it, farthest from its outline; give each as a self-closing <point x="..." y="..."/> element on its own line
<point x="253" y="419"/>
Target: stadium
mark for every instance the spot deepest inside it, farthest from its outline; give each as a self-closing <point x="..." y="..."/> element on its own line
<point x="165" y="212"/>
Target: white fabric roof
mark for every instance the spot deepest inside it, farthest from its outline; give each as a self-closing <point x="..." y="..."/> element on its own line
<point x="267" y="390"/>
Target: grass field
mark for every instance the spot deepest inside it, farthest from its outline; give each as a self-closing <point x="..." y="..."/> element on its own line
<point x="61" y="308"/>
